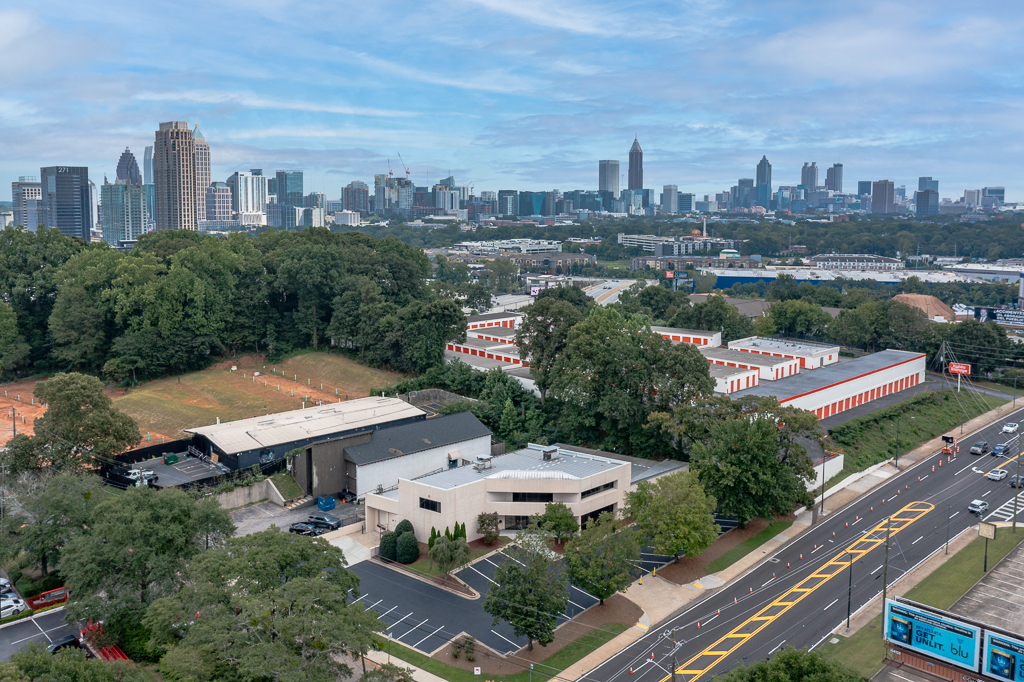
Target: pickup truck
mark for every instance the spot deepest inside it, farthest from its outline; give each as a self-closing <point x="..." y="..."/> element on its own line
<point x="141" y="476"/>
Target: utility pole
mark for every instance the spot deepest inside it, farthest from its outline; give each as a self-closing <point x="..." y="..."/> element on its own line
<point x="885" y="571"/>
<point x="849" y="593"/>
<point x="822" y="511"/>
<point x="675" y="645"/>
<point x="1017" y="487"/>
<point x="3" y="486"/>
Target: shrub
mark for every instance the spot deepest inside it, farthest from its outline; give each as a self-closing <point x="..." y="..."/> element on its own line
<point x="403" y="527"/>
<point x="487" y="525"/>
<point x="408" y="550"/>
<point x="469" y="644"/>
<point x="448" y="533"/>
<point x="389" y="546"/>
<point x="433" y="538"/>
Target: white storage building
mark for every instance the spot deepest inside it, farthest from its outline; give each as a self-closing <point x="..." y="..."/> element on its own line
<point x="769" y="368"/>
<point x="810" y="355"/>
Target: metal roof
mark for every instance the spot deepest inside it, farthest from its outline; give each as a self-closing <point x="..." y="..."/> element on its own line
<point x="721" y="371"/>
<point x="782" y="346"/>
<point x="756" y="359"/>
<point x="397" y="441"/>
<point x="844" y="370"/>
<point x="526" y="464"/>
<point x="682" y="332"/>
<point x="485" y="317"/>
<point x="640" y="469"/>
<point x="313" y="422"/>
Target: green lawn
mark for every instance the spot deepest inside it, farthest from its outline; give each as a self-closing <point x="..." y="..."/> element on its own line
<point x="550" y="666"/>
<point x="426" y="566"/>
<point x="747" y="546"/>
<point x="864" y="651"/>
<point x="286" y="485"/>
<point x="871" y="439"/>
<point x="991" y="385"/>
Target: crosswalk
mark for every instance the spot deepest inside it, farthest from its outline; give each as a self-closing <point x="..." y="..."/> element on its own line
<point x="1005" y="512"/>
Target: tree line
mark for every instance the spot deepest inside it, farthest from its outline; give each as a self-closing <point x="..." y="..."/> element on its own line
<point x="179" y="299"/>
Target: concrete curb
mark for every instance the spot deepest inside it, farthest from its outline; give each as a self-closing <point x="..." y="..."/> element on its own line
<point x="32" y="617"/>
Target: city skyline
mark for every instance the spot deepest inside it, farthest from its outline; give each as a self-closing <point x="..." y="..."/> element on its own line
<point x="344" y="104"/>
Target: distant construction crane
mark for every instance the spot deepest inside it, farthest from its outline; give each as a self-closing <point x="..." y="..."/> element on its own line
<point x="407" y="171"/>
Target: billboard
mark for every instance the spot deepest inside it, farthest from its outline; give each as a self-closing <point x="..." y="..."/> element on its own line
<point x="940" y="637"/>
<point x="1004" y="657"/>
<point x="959" y="368"/>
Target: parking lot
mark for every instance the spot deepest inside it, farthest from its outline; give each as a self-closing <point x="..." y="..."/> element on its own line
<point x="44" y="628"/>
<point x="260" y="516"/>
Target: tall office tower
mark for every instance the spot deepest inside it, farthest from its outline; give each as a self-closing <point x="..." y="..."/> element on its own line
<point x="636" y="166"/>
<point x="863" y="187"/>
<point x="125" y="210"/>
<point x="926" y="183"/>
<point x="290" y="196"/>
<point x="685" y="202"/>
<point x="26" y="194"/>
<point x="402" y="191"/>
<point x="745" y="194"/>
<point x="809" y="175"/>
<point x="883" y="197"/>
<point x="972" y="197"/>
<point x="66" y="201"/>
<point x="174" y="177"/>
<point x="356" y="197"/>
<point x="128" y="168"/>
<point x="508" y="202"/>
<point x="993" y="196"/>
<point x="927" y="202"/>
<point x="147" y="177"/>
<point x="315" y="200"/>
<point x="764" y="183"/>
<point x="218" y="201"/>
<point x="901" y="191"/>
<point x="488" y="196"/>
<point x="608" y="177"/>
<point x="445" y="198"/>
<point x="248" y="191"/>
<point x="382" y="192"/>
<point x="834" y="178"/>
<point x="202" y="172"/>
<point x="670" y="198"/>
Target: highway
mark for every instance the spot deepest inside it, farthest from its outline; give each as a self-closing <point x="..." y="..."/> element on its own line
<point x="798" y="596"/>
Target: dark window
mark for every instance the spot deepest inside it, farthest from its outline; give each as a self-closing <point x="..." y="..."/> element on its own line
<point x="598" y="489"/>
<point x="430" y="505"/>
<point x="533" y="497"/>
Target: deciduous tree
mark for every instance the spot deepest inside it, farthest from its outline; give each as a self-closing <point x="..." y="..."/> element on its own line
<point x="559" y="520"/>
<point x="674" y="514"/>
<point x="542" y="336"/>
<point x="449" y="554"/>
<point x="793" y="665"/>
<point x="601" y="557"/>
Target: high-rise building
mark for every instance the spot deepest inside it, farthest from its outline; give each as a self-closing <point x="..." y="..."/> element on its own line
<point x="608" y="177"/>
<point x="685" y="202"/>
<point x="315" y="200"/>
<point x="508" y="202"/>
<point x="743" y="193"/>
<point x="834" y="178"/>
<point x="993" y="196"/>
<point x="174" y="177"/>
<point x="27" y="194"/>
<point x="883" y="197"/>
<point x="125" y="210"/>
<point x="202" y="172"/>
<point x="248" y="191"/>
<point x="66" y="201"/>
<point x="863" y="187"/>
<point x="147" y="178"/>
<point x="926" y="183"/>
<point x="927" y="202"/>
<point x="972" y="197"/>
<point x="356" y="197"/>
<point x="809" y="175"/>
<point x="764" y="183"/>
<point x="128" y="168"/>
<point x="670" y="199"/>
<point x="445" y="198"/>
<point x="636" y="165"/>
<point x="901" y="191"/>
<point x="218" y="202"/>
<point x="289" y="195"/>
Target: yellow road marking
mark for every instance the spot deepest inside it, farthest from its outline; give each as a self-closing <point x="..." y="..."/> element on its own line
<point x="714" y="654"/>
<point x="1002" y="464"/>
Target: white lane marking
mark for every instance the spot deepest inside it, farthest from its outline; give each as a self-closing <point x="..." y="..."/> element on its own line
<point x="892" y="498"/>
<point x="777" y="647"/>
<point x="360" y="599"/>
<point x="986" y="494"/>
<point x="816" y="549"/>
<point x="711" y="619"/>
<point x="831" y="605"/>
<point x="768" y="582"/>
<point x="427" y="637"/>
<point x="877" y="569"/>
<point x="917" y="541"/>
<point x="954" y="514"/>
<point x="399" y="620"/>
<point x="507" y="640"/>
<point x="964" y="469"/>
<point x="414" y="627"/>
<point x="924" y="477"/>
<point x="389" y="610"/>
<point x="856" y="522"/>
<point x="370" y="607"/>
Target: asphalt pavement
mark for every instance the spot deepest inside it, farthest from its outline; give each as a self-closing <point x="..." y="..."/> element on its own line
<point x="799" y="595"/>
<point x="43" y="628"/>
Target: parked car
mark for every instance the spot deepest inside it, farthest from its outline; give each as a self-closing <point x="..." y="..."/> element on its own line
<point x="141" y="475"/>
<point x="980" y="448"/>
<point x="12" y="601"/>
<point x="1000" y="450"/>
<point x="978" y="507"/>
<point x="321" y="520"/>
<point x="66" y="642"/>
<point x="997" y="474"/>
<point x="4" y="582"/>
<point x="302" y="528"/>
<point x="1017" y="481"/>
<point x="1010" y="427"/>
<point x="11" y="609"/>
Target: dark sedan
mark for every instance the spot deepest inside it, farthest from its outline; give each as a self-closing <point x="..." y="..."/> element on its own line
<point x="305" y="529"/>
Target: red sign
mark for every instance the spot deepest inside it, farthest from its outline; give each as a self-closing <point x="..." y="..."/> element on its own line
<point x="959" y="368"/>
<point x="669" y="274"/>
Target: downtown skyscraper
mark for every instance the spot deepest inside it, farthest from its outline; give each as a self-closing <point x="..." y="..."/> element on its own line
<point x="174" y="177"/>
<point x="636" y="166"/>
<point x="202" y="172"/>
<point x="608" y="176"/>
<point x="66" y="200"/>
<point x="763" y="184"/>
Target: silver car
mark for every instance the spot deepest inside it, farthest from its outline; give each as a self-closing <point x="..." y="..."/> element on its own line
<point x="997" y="474"/>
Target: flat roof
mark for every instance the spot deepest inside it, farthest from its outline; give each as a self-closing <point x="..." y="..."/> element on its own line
<point x="640" y="469"/>
<point x="493" y="316"/>
<point x="526" y="464"/>
<point x="313" y="422"/>
<point x="493" y="331"/>
<point x="477" y="361"/>
<point x="844" y="370"/>
<point x="782" y="346"/>
<point x="397" y="441"/>
<point x="723" y="372"/>
<point x="682" y="332"/>
<point x="729" y="355"/>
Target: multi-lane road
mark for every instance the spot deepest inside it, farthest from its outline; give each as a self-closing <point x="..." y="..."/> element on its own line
<point x="799" y="595"/>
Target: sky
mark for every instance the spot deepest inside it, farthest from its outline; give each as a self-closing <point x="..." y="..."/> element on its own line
<point x="524" y="94"/>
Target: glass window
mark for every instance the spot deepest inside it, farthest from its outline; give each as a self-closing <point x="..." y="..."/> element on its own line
<point x="533" y="497"/>
<point x="430" y="505"/>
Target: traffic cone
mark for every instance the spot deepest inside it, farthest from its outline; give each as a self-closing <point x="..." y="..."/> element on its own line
<point x="787" y="564"/>
<point x="698" y="625"/>
<point x="883" y="501"/>
<point x="847" y="524"/>
<point x="802" y="556"/>
<point x="940" y="463"/>
<point x="907" y="487"/>
<point x="833" y="533"/>
<point x="897" y="492"/>
<point x="872" y="509"/>
<point x="735" y="601"/>
<point x="933" y="467"/>
<point x="630" y="670"/>
<point x="773" y="576"/>
<point x="751" y="590"/>
<point x="858" y="519"/>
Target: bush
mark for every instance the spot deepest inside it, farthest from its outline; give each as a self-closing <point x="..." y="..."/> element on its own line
<point x="408" y="550"/>
<point x="433" y="538"/>
<point x="389" y="546"/>
<point x="403" y="527"/>
<point x="34" y="589"/>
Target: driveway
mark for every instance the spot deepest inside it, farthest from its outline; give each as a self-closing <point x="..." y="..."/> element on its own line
<point x="260" y="516"/>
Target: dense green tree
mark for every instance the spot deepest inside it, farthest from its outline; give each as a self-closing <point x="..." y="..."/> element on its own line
<point x="542" y="336"/>
<point x="504" y="277"/>
<point x="82" y="322"/>
<point x="982" y="344"/>
<point x="559" y="520"/>
<point x="573" y="295"/>
<point x="714" y="315"/>
<point x="35" y="664"/>
<point x="79" y="428"/>
<point x="793" y="665"/>
<point x="449" y="554"/>
<point x="529" y="590"/>
<point x="601" y="557"/>
<point x="673" y="514"/>
<point x="13" y="349"/>
<point x="389" y="546"/>
<point x="791" y="317"/>
<point x="270" y="606"/>
<point x="388" y="672"/>
<point x="487" y="525"/>
<point x="416" y="335"/>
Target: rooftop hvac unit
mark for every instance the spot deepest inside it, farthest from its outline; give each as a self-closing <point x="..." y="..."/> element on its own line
<point x="549" y="452"/>
<point x="482" y="462"/>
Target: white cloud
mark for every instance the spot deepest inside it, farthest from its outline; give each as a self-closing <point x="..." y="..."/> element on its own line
<point x="252" y="101"/>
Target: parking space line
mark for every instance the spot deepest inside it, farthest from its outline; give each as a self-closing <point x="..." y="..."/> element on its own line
<point x="414" y="627"/>
<point x="427" y="637"/>
<point x="517" y="647"/>
<point x="574" y="604"/>
<point x="360" y="599"/>
<point x="370" y="607"/>
<point x="389" y="611"/>
<point x="485" y="577"/>
<point x="399" y="620"/>
<point x="42" y="630"/>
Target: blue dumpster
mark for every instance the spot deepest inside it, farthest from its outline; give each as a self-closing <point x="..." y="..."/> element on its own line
<point x="325" y="502"/>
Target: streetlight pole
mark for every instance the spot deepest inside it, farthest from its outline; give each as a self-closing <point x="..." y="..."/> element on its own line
<point x="1016" y="488"/>
<point x="849" y="594"/>
<point x="822" y="510"/>
<point x="896" y="461"/>
<point x="885" y="571"/>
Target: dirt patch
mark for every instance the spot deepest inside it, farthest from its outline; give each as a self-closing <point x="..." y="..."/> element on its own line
<point x="617" y="609"/>
<point x="690" y="569"/>
<point x="18" y="396"/>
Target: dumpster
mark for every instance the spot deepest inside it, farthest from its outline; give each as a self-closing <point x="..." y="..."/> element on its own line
<point x="325" y="502"/>
<point x="170" y="459"/>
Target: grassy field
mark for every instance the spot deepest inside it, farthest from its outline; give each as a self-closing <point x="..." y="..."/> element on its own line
<point x="549" y="667"/>
<point x="747" y="546"/>
<point x="865" y="650"/>
<point x="286" y="485"/>
<point x="871" y="439"/>
<point x="426" y="566"/>
<point x="163" y="408"/>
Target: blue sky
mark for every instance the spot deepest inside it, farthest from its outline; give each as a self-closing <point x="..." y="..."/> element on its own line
<point x="526" y="94"/>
